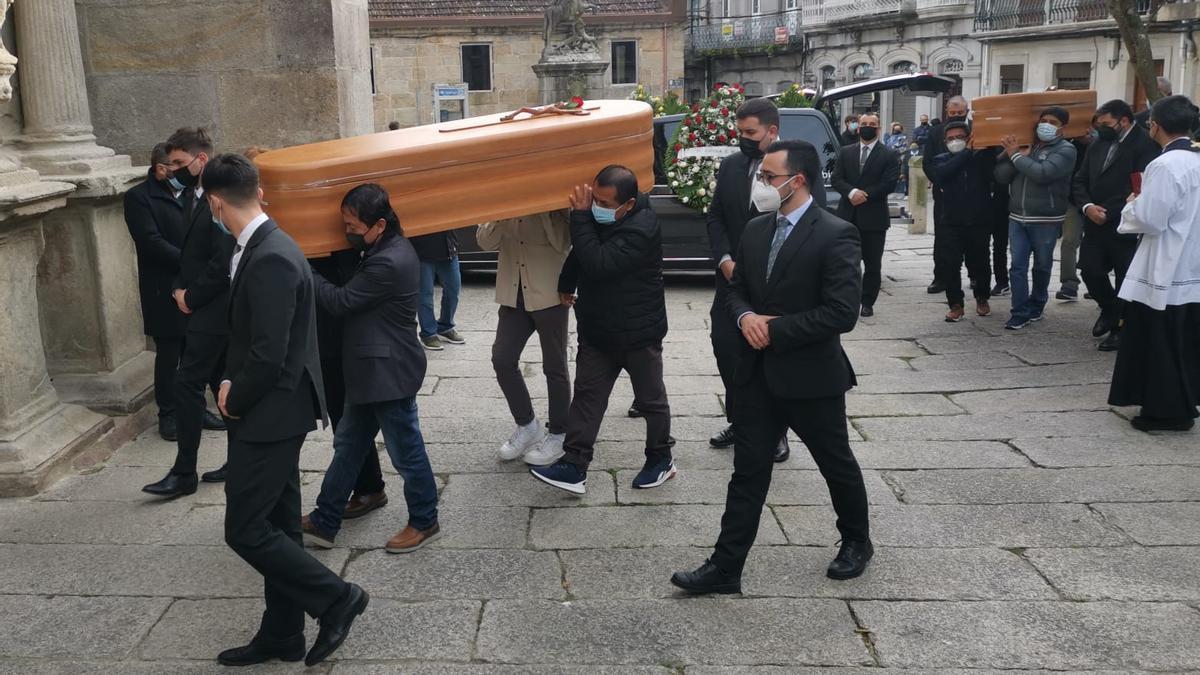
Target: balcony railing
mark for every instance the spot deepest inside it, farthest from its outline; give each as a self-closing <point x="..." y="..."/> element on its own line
<point x="760" y="33"/>
<point x="995" y="15"/>
<point x="845" y="10"/>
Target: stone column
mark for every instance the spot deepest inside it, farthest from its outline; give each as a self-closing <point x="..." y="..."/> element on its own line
<point x="90" y="318"/>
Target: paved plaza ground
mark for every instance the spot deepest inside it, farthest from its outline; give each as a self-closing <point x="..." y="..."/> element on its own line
<point x="1019" y="521"/>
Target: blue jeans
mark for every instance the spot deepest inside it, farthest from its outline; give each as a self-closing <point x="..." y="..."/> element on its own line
<point x="354" y="438"/>
<point x="1023" y="240"/>
<point x="448" y="273"/>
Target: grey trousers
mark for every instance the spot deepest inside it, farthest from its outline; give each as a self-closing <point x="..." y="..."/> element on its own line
<point x="515" y="327"/>
<point x="1069" y="248"/>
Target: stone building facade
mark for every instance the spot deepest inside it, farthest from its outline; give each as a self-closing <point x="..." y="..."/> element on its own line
<point x="416" y="45"/>
<point x="85" y="84"/>
<point x="836" y="42"/>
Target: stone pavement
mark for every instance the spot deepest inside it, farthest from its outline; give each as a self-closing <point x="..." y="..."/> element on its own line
<point x="1020" y="524"/>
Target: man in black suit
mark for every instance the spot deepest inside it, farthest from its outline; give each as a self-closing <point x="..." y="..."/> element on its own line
<point x="730" y="210"/>
<point x="865" y="175"/>
<point x="794" y="292"/>
<point x="935" y="144"/>
<point x="201" y="293"/>
<point x="384" y="366"/>
<point x="271" y="395"/>
<point x="1101" y="185"/>
<point x="155" y="220"/>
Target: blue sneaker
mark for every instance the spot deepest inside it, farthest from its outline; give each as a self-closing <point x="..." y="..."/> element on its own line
<point x="655" y="473"/>
<point x="563" y="475"/>
<point x="1016" y="323"/>
<point x="1035" y="319"/>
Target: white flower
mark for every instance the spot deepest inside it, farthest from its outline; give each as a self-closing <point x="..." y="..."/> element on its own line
<point x="670" y="174"/>
<point x="701" y="192"/>
<point x="683" y="199"/>
<point x="712" y="185"/>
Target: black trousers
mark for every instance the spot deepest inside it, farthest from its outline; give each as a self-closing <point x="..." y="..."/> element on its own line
<point x="1104" y="251"/>
<point x="872" y="254"/>
<point x="262" y="526"/>
<point x="1158" y="362"/>
<point x="726" y="342"/>
<point x="1000" y="248"/>
<point x="202" y="365"/>
<point x="959" y="243"/>
<point x="370" y="477"/>
<point x="167" y="352"/>
<point x="596" y="372"/>
<point x="759" y="420"/>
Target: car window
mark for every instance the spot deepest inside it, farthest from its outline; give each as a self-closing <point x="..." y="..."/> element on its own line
<point x="806" y="127"/>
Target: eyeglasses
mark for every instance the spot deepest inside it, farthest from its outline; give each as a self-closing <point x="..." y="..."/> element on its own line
<point x="766" y="177"/>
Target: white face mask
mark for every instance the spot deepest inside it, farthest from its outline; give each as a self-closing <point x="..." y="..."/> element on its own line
<point x="766" y="198"/>
<point x="1046" y="132"/>
<point x="956" y="146"/>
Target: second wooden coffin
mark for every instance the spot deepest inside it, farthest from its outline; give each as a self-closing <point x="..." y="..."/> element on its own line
<point x="455" y="174"/>
<point x="1017" y="114"/>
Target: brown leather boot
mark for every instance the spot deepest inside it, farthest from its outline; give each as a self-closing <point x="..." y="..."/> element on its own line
<point x="361" y="505"/>
<point x="955" y="314"/>
<point x="410" y="539"/>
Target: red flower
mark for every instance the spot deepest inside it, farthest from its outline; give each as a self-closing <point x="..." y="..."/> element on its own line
<point x="725" y="112"/>
<point x="695" y="107"/>
<point x="692" y="136"/>
<point x="678" y="147"/>
<point x="721" y="138"/>
<point x="715" y="103"/>
<point x="576" y="102"/>
<point x="712" y="126"/>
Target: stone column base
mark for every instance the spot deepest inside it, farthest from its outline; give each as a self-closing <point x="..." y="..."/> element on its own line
<point x="40" y="454"/>
<point x="117" y="392"/>
<point x="560" y="80"/>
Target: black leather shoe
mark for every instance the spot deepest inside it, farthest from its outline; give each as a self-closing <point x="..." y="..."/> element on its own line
<point x="723" y="440"/>
<point x="707" y="579"/>
<point x="935" y="288"/>
<point x="783" y="450"/>
<point x="634" y="411"/>
<point x="217" y="476"/>
<point x="851" y="560"/>
<point x="1105" y="324"/>
<point x="213" y="422"/>
<point x="866" y="311"/>
<point x="174" y="485"/>
<point x="166" y="428"/>
<point x="336" y="622"/>
<point x="1111" y="343"/>
<point x="1159" y="424"/>
<point x="261" y="651"/>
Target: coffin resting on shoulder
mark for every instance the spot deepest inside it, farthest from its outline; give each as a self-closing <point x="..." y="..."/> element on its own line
<point x="455" y="174"/>
<point x="995" y="117"/>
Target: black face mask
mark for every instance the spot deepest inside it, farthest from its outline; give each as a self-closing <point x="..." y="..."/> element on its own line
<point x="358" y="241"/>
<point x="957" y="118"/>
<point x="868" y="133"/>
<point x="925" y="123"/>
<point x="1106" y="133"/>
<point x="750" y="148"/>
<point x="185" y="177"/>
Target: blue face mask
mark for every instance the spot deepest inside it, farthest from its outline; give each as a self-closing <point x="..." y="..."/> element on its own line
<point x="1046" y="132"/>
<point x="175" y="184"/>
<point x="217" y="221"/>
<point x="602" y="215"/>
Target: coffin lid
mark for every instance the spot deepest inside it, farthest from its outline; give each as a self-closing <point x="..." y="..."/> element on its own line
<point x="367" y="158"/>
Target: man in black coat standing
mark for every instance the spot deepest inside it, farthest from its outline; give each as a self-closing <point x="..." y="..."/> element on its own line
<point x="794" y="293"/>
<point x="615" y="267"/>
<point x="865" y="175"/>
<point x="384" y="366"/>
<point x="1101" y="185"/>
<point x="155" y="220"/>
<point x="730" y="210"/>
<point x="957" y="110"/>
<point x="271" y="394"/>
<point x="201" y="293"/>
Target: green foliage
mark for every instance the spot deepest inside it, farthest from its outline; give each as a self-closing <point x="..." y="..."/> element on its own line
<point x="668" y="105"/>
<point x="794" y="98"/>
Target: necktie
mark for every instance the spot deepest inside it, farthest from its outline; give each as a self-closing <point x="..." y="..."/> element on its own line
<point x="1112" y="153"/>
<point x="781" y="232"/>
<point x="866" y="152"/>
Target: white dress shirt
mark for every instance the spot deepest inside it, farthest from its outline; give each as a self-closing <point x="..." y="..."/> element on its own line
<point x="243" y="241"/>
<point x="1166" y="268"/>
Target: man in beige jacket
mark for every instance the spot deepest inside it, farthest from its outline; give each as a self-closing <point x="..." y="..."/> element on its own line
<point x="532" y="250"/>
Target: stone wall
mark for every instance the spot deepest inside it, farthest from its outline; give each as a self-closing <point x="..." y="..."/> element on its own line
<point x="255" y="72"/>
<point x="409" y="61"/>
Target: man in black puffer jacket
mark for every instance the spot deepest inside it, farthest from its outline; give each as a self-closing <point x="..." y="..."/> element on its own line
<point x="615" y="266"/>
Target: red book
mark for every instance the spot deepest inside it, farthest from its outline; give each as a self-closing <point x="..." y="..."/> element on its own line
<point x="1136" y="179"/>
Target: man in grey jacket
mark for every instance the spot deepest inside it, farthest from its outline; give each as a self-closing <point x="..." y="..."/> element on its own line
<point x="1040" y="177"/>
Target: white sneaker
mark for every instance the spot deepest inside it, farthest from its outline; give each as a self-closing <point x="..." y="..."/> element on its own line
<point x="522" y="441"/>
<point x="548" y="452"/>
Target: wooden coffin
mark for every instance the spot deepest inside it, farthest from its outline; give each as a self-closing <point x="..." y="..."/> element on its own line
<point x="455" y="174"/>
<point x="995" y="117"/>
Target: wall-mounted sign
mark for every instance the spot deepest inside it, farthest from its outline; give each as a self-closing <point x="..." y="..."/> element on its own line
<point x="781" y="35"/>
